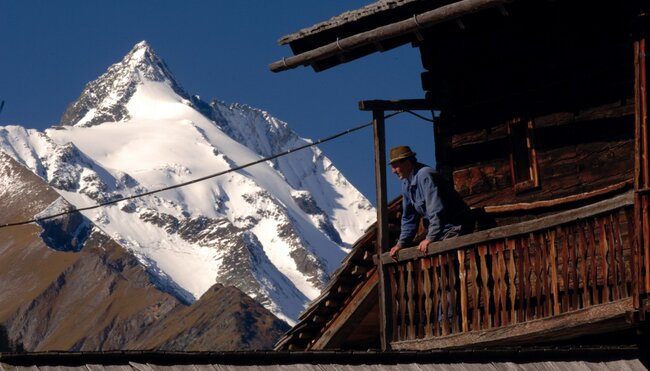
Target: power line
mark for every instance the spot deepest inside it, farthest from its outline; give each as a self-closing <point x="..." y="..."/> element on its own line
<point x="323" y="140"/>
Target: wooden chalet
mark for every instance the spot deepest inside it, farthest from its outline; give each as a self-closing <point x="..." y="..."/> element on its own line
<point x="543" y="130"/>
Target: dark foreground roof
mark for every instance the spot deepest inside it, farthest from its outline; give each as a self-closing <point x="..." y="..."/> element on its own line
<point x="556" y="359"/>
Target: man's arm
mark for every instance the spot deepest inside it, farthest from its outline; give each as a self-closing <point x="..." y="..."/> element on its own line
<point x="409" y="226"/>
<point x="434" y="206"/>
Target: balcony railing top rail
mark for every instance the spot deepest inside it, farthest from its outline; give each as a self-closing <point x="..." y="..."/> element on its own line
<point x="582" y="213"/>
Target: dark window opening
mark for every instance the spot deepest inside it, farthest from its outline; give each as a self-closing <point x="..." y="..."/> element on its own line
<point x="523" y="159"/>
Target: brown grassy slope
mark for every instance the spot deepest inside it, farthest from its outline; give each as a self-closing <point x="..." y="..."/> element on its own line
<point x="101" y="298"/>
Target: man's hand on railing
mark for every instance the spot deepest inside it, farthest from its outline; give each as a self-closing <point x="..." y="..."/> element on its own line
<point x="394" y="251"/>
<point x="423" y="246"/>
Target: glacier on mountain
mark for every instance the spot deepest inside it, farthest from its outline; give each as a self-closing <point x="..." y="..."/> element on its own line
<point x="275" y="230"/>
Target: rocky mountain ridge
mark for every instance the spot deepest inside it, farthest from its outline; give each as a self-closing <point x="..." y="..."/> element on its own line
<point x="100" y="297"/>
<point x="275" y="231"/>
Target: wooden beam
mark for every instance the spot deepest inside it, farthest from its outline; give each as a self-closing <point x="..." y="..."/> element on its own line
<point x="356" y="308"/>
<point x="556" y="202"/>
<point x="593" y="320"/>
<point x="395" y="105"/>
<point x="382" y="231"/>
<point x="410" y="25"/>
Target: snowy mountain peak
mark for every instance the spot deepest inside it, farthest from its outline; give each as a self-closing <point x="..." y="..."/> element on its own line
<point x="105" y="99"/>
<point x="276" y="230"/>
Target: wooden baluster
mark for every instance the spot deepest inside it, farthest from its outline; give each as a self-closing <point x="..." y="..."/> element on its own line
<point x="482" y="251"/>
<point x="611" y="250"/>
<point x="475" y="290"/>
<point x="565" y="287"/>
<point x="635" y="258"/>
<point x="535" y="287"/>
<point x="645" y="232"/>
<point x="410" y="301"/>
<point x="419" y="294"/>
<point x="620" y="255"/>
<point x="444" y="318"/>
<point x="503" y="285"/>
<point x="522" y="277"/>
<point x="544" y="273"/>
<point x="496" y="289"/>
<point x="401" y="290"/>
<point x="426" y="286"/>
<point x="512" y="271"/>
<point x="593" y="266"/>
<point x="583" y="256"/>
<point x="453" y="293"/>
<point x="603" y="260"/>
<point x="526" y="282"/>
<point x="462" y="273"/>
<point x="554" y="306"/>
<point x="394" y="295"/>
<point x="436" y="296"/>
<point x="574" y="268"/>
<point x="623" y="271"/>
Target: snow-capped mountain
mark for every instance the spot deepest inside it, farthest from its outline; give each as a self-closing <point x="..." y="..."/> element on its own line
<point x="275" y="230"/>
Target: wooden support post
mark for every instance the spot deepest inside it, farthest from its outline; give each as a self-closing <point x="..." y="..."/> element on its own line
<point x="385" y="296"/>
<point x="641" y="170"/>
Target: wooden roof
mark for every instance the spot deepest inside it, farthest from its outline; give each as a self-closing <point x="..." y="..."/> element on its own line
<point x="380" y="26"/>
<point x="541" y="359"/>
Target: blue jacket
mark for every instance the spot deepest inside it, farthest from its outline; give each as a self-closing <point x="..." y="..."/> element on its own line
<point x="421" y="197"/>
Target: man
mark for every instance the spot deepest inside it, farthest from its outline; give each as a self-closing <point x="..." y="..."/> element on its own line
<point x="444" y="212"/>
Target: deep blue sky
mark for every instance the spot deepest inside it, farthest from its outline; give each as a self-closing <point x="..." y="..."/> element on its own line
<point x="218" y="49"/>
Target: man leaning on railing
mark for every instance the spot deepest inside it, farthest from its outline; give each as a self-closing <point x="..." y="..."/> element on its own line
<point x="426" y="197"/>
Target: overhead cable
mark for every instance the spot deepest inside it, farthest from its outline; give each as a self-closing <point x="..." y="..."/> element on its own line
<point x="111" y="202"/>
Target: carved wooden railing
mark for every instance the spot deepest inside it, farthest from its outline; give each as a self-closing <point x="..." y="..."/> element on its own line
<point x="514" y="274"/>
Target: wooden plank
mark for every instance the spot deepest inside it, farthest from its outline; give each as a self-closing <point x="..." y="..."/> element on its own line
<point x="475" y="290"/>
<point x="593" y="267"/>
<point x="504" y="285"/>
<point x="545" y="273"/>
<point x="574" y="268"/>
<point x="620" y="254"/>
<point x="646" y="237"/>
<point x="496" y="289"/>
<point x="401" y="301"/>
<point x="444" y="297"/>
<point x="611" y="250"/>
<point x="635" y="258"/>
<point x="538" y="224"/>
<point x="583" y="256"/>
<point x="603" y="259"/>
<point x="595" y="319"/>
<point x="392" y="296"/>
<point x="539" y="278"/>
<point x="526" y="283"/>
<point x="410" y="300"/>
<point x="482" y="251"/>
<point x="512" y="271"/>
<point x="436" y="296"/>
<point x="553" y="262"/>
<point x="462" y="275"/>
<point x="428" y="300"/>
<point x="420" y="298"/>
<point x="565" y="290"/>
<point x="453" y="293"/>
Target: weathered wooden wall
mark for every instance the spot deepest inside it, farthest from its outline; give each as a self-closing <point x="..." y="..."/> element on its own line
<point x="567" y="67"/>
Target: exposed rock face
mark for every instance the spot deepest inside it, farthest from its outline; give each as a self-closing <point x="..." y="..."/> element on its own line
<point x="98" y="296"/>
<point x="104" y="99"/>
<point x="275" y="230"/>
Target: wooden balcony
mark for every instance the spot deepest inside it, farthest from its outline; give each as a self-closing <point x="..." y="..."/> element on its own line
<point x="571" y="274"/>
